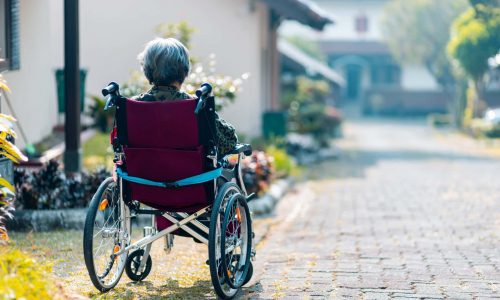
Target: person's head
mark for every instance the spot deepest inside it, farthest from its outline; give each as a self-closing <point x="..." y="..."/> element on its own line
<point x="165" y="62"/>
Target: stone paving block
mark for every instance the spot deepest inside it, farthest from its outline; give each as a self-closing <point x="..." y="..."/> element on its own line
<point x="419" y="296"/>
<point x="458" y="296"/>
<point x="427" y="289"/>
<point x="345" y="292"/>
<point x="376" y="296"/>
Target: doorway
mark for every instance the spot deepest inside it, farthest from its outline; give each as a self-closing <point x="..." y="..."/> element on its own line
<point x="353" y="75"/>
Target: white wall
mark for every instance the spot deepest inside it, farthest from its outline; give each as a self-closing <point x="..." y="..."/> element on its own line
<point x="113" y="32"/>
<point x="33" y="86"/>
<point x="344" y="12"/>
<point x="414" y="78"/>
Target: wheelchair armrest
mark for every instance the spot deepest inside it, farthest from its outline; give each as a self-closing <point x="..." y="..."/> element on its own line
<point x="242" y="148"/>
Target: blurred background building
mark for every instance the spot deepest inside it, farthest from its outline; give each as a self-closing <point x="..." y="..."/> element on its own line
<point x="356" y="50"/>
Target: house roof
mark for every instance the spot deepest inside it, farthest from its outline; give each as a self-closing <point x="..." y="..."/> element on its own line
<point x="303" y="62"/>
<point x="303" y="11"/>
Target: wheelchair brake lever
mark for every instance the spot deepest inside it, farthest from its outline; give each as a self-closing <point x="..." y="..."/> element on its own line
<point x="199" y="106"/>
<point x="109" y="103"/>
<point x="202" y="93"/>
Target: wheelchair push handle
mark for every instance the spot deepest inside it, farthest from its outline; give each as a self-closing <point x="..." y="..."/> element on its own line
<point x="111" y="91"/>
<point x="112" y="88"/>
<point x="204" y="90"/>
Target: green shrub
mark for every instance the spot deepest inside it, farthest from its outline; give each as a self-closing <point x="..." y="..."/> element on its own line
<point x="23" y="278"/>
<point x="102" y="119"/>
<point x="439" y="120"/>
<point x="481" y="128"/>
<point x="50" y="188"/>
<point x="283" y="164"/>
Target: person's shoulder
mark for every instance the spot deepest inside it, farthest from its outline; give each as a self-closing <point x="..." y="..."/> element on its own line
<point x="184" y="95"/>
<point x="144" y="97"/>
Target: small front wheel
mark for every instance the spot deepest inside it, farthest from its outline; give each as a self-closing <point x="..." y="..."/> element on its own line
<point x="133" y="266"/>
<point x="106" y="231"/>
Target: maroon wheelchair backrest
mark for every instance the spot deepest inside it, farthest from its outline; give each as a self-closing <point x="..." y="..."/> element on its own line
<point x="161" y="141"/>
<point x="165" y="125"/>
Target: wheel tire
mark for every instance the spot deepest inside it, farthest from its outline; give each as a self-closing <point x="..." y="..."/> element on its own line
<point x="133" y="263"/>
<point x="218" y="280"/>
<point x="249" y="273"/>
<point x="238" y="202"/>
<point x="88" y="235"/>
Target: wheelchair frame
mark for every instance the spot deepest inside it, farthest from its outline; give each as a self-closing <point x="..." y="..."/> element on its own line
<point x="180" y="224"/>
<point x="179" y="220"/>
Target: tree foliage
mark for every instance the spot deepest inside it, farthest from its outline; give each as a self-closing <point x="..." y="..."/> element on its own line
<point x="485" y="2"/>
<point x="10" y="151"/>
<point x="309" y="47"/>
<point x="418" y="31"/>
<point x="476" y="38"/>
<point x="181" y="31"/>
<point x="225" y="88"/>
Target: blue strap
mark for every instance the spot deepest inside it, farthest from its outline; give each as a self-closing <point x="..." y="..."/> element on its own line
<point x="204" y="177"/>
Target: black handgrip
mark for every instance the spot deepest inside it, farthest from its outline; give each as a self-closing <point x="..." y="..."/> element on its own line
<point x="112" y="88"/>
<point x="242" y="148"/>
<point x="204" y="90"/>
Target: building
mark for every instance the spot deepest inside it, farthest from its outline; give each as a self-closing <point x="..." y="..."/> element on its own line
<point x="242" y="33"/>
<point x="294" y="62"/>
<point x="356" y="50"/>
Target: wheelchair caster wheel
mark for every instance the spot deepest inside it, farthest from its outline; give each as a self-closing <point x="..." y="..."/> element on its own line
<point x="133" y="264"/>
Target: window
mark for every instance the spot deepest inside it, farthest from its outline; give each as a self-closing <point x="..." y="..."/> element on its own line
<point x="9" y="34"/>
<point x="361" y="24"/>
<point x="386" y="74"/>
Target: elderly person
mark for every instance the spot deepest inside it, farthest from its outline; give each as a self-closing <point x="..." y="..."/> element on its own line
<point x="165" y="63"/>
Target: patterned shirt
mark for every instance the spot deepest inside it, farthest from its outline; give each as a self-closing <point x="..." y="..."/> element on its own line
<point x="226" y="133"/>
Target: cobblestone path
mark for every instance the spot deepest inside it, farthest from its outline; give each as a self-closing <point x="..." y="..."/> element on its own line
<point x="401" y="214"/>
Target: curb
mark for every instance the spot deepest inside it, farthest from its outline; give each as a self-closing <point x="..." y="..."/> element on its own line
<point x="74" y="218"/>
<point x="265" y="204"/>
<point x="58" y="219"/>
<point x="45" y="220"/>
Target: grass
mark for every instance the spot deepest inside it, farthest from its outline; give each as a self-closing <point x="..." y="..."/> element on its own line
<point x="22" y="277"/>
<point x="97" y="152"/>
<point x="182" y="274"/>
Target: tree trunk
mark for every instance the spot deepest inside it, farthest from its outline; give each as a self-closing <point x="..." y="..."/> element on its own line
<point x="479" y="101"/>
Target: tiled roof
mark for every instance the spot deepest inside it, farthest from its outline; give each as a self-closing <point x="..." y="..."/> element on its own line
<point x="303" y="11"/>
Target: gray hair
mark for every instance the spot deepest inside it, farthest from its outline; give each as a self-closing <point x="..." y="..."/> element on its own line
<point x="165" y="61"/>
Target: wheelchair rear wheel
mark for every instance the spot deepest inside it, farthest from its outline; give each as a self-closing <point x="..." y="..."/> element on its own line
<point x="236" y="241"/>
<point x="236" y="246"/>
<point x="107" y="231"/>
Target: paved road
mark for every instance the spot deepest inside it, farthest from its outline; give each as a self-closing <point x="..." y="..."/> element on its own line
<point x="402" y="214"/>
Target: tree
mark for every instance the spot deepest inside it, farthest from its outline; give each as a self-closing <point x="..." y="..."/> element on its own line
<point x="485" y="2"/>
<point x="309" y="47"/>
<point x="225" y="88"/>
<point x="475" y="40"/>
<point x="418" y="31"/>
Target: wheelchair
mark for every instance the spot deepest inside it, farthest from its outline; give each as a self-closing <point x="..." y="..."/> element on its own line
<point x="167" y="166"/>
